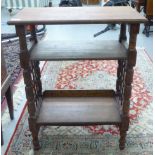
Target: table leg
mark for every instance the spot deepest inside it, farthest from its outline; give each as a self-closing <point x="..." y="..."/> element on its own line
<point x="131" y="62"/>
<point x="29" y="85"/>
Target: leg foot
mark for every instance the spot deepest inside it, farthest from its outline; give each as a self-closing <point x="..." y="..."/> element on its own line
<point x="36" y="144"/>
<point x="121" y="147"/>
<point x="122" y="139"/>
<point x="35" y="138"/>
<point x="34" y="130"/>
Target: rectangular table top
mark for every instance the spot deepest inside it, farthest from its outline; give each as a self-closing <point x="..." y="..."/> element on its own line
<point x="77" y="15"/>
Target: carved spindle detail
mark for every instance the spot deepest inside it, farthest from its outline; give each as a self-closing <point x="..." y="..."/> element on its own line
<point x="122" y="81"/>
<point x="38" y="78"/>
<point x="30" y="94"/>
<point x="131" y="61"/>
<point x="34" y="79"/>
<point x="120" y="69"/>
<point x="119" y="79"/>
<point x="38" y="92"/>
<point x="36" y="64"/>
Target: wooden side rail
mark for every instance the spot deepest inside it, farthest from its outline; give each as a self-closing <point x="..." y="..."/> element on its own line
<point x="79" y="93"/>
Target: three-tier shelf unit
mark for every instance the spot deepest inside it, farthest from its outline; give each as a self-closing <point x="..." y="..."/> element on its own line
<point x="78" y="107"/>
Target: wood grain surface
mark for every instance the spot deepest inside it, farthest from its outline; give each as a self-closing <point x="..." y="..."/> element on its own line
<point x="78" y="111"/>
<point x="73" y="50"/>
<point x="77" y="15"/>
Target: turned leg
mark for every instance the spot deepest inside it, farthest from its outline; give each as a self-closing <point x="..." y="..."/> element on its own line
<point x="131" y="61"/>
<point x="29" y="84"/>
<point x="120" y="86"/>
<point x="9" y="99"/>
<point x="123" y="129"/>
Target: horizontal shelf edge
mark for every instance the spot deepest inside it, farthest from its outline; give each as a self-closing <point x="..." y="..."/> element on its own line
<point x="79" y="93"/>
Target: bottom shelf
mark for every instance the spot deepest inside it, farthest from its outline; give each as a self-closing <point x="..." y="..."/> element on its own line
<point x="89" y="108"/>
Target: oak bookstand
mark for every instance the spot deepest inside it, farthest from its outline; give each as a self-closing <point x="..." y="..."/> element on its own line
<point x="87" y="107"/>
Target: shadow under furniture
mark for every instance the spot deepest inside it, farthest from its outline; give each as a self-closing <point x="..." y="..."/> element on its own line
<point x="6" y="89"/>
<point x="78" y="107"/>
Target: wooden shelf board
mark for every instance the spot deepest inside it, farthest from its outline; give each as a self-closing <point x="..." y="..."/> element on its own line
<point x="69" y="50"/>
<point x="79" y="111"/>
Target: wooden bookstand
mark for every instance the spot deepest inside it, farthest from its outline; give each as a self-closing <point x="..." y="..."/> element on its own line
<point x="87" y="107"/>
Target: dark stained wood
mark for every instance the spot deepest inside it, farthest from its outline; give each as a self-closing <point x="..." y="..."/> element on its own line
<point x="34" y="128"/>
<point x="121" y="69"/>
<point x="131" y="61"/>
<point x="38" y="80"/>
<point x="25" y="64"/>
<point x="73" y="50"/>
<point x="79" y="93"/>
<point x="139" y="3"/>
<point x="119" y="78"/>
<point x="5" y="85"/>
<point x="149" y="8"/>
<point x="77" y="15"/>
<point x="3" y="68"/>
<point x="6" y="91"/>
<point x="78" y="111"/>
<point x="122" y="36"/>
<point x="9" y="99"/>
<point x="5" y="78"/>
<point x="29" y="87"/>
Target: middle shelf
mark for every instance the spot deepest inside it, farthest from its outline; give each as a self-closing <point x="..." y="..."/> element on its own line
<point x="78" y="50"/>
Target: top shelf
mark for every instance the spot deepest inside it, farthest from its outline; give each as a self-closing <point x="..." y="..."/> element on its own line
<point x="77" y="15"/>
